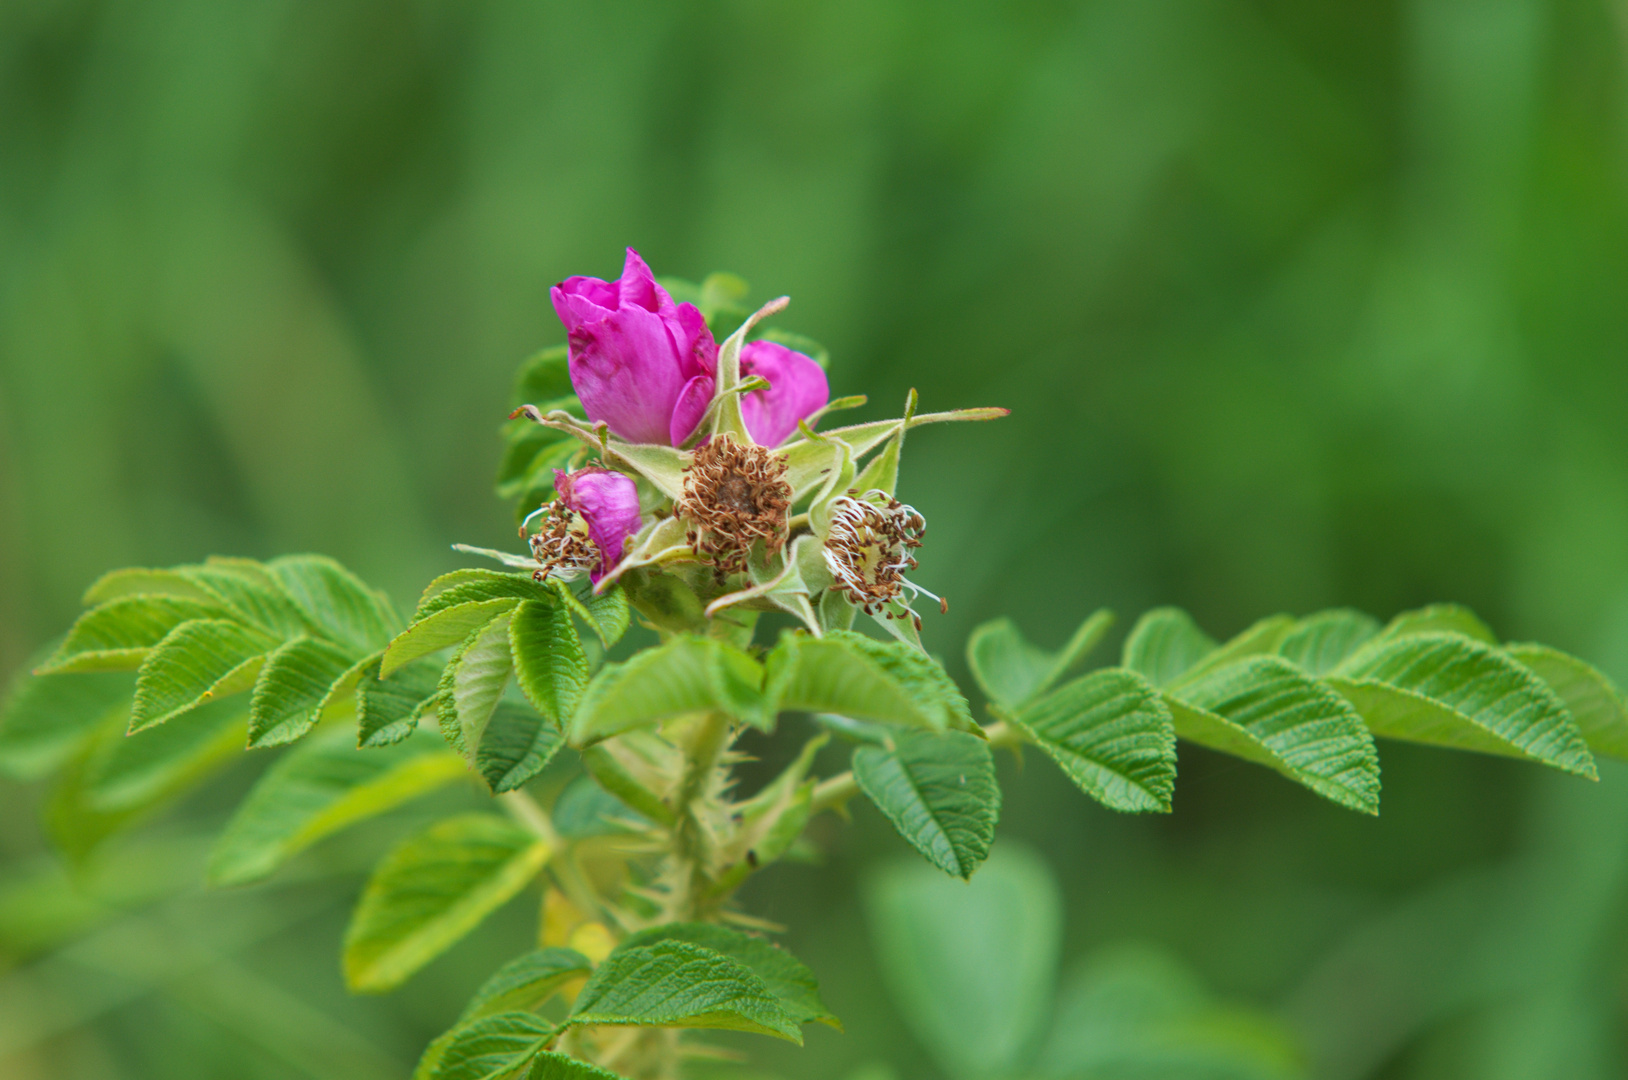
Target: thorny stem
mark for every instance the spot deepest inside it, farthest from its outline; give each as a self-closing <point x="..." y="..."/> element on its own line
<point x="689" y="840"/>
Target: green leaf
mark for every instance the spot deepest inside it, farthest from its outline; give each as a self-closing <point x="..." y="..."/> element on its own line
<point x="788" y="978"/>
<point x="1260" y="638"/>
<point x="477" y="586"/>
<point x="1593" y="700"/>
<point x="253" y="593"/>
<point x="1320" y="643"/>
<point x="1164" y="644"/>
<point x="1266" y="710"/>
<point x="559" y="1067"/>
<point x="46" y="717"/>
<point x="447" y="626"/>
<point x="543" y="377"/>
<point x="141" y="769"/>
<point x="617" y="779"/>
<point x="430" y="891"/>
<point x="529" y="462"/>
<point x="927" y="683"/>
<point x="320" y="787"/>
<point x="199" y="660"/>
<point x="516" y="746"/>
<point x="118" y="635"/>
<point x="115" y="779"/>
<point x="970" y="965"/>
<point x="830" y="675"/>
<point x="1133" y="1011"/>
<point x="549" y="662"/>
<point x="1446" y="689"/>
<point x="388" y="709"/>
<point x="607" y="614"/>
<point x="336" y="602"/>
<point x="142" y="581"/>
<point x="1010" y="671"/>
<point x="492" y="1048"/>
<point x="472" y="684"/>
<point x="290" y="689"/>
<point x="526" y="982"/>
<point x="684" y="675"/>
<point x="676" y="984"/>
<point x="1112" y="734"/>
<point x="940" y="792"/>
<point x="1440" y="619"/>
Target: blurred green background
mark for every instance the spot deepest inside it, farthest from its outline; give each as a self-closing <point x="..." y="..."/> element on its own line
<point x="1295" y="305"/>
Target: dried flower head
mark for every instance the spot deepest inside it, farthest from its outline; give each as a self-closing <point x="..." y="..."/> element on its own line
<point x="868" y="551"/>
<point x="734" y="494"/>
<point x="561" y="544"/>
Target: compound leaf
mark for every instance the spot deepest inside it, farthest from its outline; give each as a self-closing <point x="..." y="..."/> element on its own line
<point x="430" y="891"/>
<point x="1112" y="734"/>
<point x="940" y="792"/>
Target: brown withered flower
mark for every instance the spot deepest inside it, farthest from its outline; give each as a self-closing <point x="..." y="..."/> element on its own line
<point x="734" y="495"/>
<point x="868" y="551"/>
<point x="561" y="545"/>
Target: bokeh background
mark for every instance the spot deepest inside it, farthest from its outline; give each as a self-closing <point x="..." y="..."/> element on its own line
<point x="1295" y="305"/>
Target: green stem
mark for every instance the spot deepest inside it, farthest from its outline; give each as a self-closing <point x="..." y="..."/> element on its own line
<point x="689" y="841"/>
<point x="524" y="809"/>
<point x="833" y="792"/>
<point x="1005" y="736"/>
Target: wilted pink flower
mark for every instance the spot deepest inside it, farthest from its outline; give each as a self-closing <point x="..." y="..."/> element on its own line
<point x="609" y="502"/>
<point x="603" y="502"/>
<point x="640" y="363"/>
<point x="797" y="390"/>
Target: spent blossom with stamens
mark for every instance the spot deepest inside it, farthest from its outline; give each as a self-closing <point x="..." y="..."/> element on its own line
<point x="586" y="528"/>
<point x="868" y="551"/>
<point x="734" y="495"/>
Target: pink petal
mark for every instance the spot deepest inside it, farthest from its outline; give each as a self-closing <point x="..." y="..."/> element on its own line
<point x="626" y="372"/>
<point x="609" y="502"/>
<point x="692" y="406"/>
<point x="797" y="389"/>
